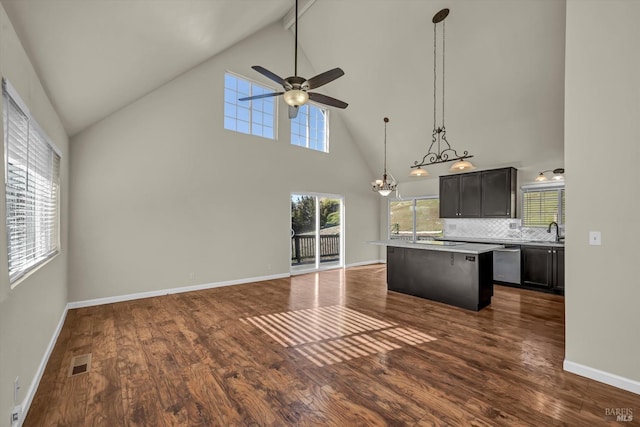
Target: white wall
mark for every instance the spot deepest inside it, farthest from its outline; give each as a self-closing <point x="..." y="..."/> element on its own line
<point x="30" y="312"/>
<point x="602" y="153"/>
<point x="160" y="190"/>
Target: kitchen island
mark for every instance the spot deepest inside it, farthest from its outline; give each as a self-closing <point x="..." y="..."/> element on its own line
<point x="455" y="273"/>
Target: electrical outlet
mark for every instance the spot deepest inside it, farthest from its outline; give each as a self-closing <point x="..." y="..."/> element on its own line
<point x="192" y="275"/>
<point x="16" y="390"/>
<point x="16" y="414"/>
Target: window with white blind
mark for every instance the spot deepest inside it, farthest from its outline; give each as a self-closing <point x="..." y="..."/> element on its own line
<point x="32" y="175"/>
<point x="542" y="205"/>
<point x="309" y="128"/>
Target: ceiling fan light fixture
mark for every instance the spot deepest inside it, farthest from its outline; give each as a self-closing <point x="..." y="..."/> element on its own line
<point x="295" y="97"/>
<point x="462" y="165"/>
<point x="295" y="87"/>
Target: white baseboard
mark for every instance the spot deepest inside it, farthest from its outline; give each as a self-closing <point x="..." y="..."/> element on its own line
<point x="360" y="264"/>
<point x="602" y="376"/>
<point x="149" y="294"/>
<point x="31" y="392"/>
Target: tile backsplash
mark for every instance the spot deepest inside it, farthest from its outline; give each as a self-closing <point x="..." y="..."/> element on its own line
<point x="496" y="228"/>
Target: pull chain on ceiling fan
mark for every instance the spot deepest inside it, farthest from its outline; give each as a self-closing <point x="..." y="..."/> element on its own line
<point x="296" y="89"/>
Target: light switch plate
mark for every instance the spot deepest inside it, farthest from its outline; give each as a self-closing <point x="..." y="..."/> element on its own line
<point x="595" y="238"/>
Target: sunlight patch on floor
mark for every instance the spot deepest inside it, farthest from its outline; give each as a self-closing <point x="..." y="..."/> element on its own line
<point x="333" y="334"/>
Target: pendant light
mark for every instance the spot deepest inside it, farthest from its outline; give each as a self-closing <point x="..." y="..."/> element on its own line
<point x="383" y="186"/>
<point x="443" y="152"/>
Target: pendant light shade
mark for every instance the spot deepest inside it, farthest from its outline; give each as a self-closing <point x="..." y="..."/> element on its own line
<point x="461" y="165"/>
<point x="440" y="151"/>
<point x="419" y="172"/>
<point x="383" y="186"/>
<point x="541" y="177"/>
<point x="295" y="97"/>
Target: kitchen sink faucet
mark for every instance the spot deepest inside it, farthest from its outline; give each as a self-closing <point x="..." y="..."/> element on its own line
<point x="557" y="230"/>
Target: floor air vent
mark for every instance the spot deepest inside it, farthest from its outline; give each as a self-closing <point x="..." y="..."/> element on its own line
<point x="80" y="364"/>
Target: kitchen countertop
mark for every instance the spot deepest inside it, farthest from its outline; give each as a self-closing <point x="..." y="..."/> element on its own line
<point x="430" y="245"/>
<point x="501" y="241"/>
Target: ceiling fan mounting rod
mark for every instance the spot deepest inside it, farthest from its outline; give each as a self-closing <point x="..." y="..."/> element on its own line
<point x="295" y="62"/>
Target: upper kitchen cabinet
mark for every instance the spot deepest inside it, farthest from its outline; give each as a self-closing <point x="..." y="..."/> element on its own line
<point x="499" y="193"/>
<point x="485" y="194"/>
<point x="460" y="195"/>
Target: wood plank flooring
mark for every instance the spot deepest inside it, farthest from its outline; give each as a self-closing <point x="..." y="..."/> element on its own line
<point x="332" y="348"/>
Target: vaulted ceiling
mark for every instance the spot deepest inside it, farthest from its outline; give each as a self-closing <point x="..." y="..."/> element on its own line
<point x="504" y="75"/>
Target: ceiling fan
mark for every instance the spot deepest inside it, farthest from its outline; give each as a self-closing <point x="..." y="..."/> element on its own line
<point x="296" y="89"/>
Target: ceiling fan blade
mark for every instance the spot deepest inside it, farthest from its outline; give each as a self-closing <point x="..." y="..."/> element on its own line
<point x="293" y="112"/>
<point x="327" y="100"/>
<point x="264" y="95"/>
<point x="324" y="78"/>
<point x="276" y="78"/>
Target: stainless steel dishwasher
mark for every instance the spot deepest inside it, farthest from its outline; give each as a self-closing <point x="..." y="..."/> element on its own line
<point x="506" y="264"/>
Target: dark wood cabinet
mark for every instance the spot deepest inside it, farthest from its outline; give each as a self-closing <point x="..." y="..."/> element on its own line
<point x="499" y="193"/>
<point x="558" y="269"/>
<point x="543" y="267"/>
<point x="485" y="194"/>
<point x="460" y="196"/>
<point x="470" y="196"/>
<point x="449" y="196"/>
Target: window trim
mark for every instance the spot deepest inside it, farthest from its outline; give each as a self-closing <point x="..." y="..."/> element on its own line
<point x="559" y="187"/>
<point x="276" y="104"/>
<point x="326" y="129"/>
<point x="406" y="199"/>
<point x="15" y="97"/>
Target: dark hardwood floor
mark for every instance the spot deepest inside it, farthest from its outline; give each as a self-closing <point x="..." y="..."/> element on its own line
<point x="333" y="348"/>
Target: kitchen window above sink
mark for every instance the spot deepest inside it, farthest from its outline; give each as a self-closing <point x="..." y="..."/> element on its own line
<point x="543" y="204"/>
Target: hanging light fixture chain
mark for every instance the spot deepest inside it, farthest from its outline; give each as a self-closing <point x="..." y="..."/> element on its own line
<point x="443" y="42"/>
<point x="385" y="146"/>
<point x="434" y="78"/>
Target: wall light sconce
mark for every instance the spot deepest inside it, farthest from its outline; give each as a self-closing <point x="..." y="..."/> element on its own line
<point x="558" y="175"/>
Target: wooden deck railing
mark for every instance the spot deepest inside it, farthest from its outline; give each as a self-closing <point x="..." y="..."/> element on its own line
<point x="303" y="248"/>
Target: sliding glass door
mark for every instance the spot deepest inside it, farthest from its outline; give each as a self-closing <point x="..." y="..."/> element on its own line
<point x="316" y="232"/>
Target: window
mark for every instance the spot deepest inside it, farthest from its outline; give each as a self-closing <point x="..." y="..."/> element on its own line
<point x="415" y="219"/>
<point x="255" y="117"/>
<point x="309" y="128"/>
<point x="32" y="175"/>
<point x="542" y="204"/>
